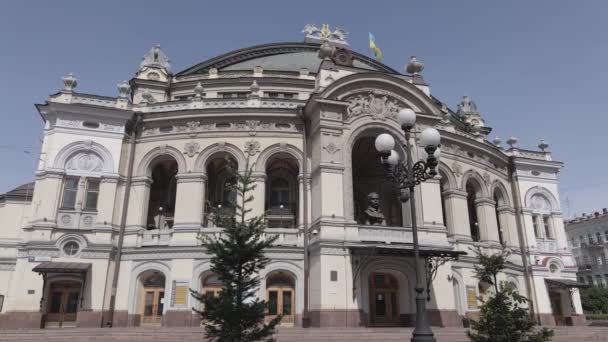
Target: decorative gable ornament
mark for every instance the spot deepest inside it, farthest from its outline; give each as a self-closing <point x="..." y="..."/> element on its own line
<point x="155" y="57"/>
<point x="85" y="161"/>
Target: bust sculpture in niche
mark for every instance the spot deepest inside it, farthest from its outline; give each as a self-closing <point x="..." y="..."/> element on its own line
<point x="373" y="216"/>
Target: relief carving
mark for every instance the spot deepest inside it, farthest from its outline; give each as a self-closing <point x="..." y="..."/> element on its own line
<point x="375" y="103"/>
<point x="191" y="148"/>
<point x="85" y="161"/>
<point x="252" y="147"/>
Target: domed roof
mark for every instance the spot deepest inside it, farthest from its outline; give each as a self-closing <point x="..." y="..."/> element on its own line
<point x="290" y="57"/>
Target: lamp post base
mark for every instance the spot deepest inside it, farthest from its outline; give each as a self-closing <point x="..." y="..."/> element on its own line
<point x="422" y="332"/>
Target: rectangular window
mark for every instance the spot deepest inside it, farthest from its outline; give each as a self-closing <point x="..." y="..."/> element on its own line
<point x="333" y="276"/>
<point x="590" y="239"/>
<point x="233" y="95"/>
<point x="598" y="281"/>
<point x="70" y="190"/>
<point x="1" y="302"/>
<point x="547" y="225"/>
<point x="92" y="194"/>
<point x="598" y="237"/>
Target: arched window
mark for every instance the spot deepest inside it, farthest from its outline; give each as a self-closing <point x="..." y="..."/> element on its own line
<point x="472" y="189"/>
<point x="541" y="217"/>
<point x="369" y="176"/>
<point x="221" y="194"/>
<point x="161" y="204"/>
<point x="282" y="191"/>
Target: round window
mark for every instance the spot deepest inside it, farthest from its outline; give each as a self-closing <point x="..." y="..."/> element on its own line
<point x="553" y="268"/>
<point x="71" y="248"/>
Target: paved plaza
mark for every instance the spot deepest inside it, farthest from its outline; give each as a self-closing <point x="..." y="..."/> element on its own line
<point x="563" y="334"/>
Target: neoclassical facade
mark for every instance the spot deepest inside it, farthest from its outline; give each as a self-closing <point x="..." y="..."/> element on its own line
<point x="125" y="185"/>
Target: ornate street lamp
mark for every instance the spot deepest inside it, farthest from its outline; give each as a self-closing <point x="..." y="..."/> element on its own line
<point x="407" y="175"/>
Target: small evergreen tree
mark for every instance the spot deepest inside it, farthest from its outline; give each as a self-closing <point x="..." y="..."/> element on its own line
<point x="235" y="314"/>
<point x="502" y="317"/>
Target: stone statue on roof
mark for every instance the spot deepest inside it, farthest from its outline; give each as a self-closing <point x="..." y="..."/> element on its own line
<point x="315" y="34"/>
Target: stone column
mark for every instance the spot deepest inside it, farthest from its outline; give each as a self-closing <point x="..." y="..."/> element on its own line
<point x="486" y="215"/>
<point x="189" y="201"/>
<point x="506" y="216"/>
<point x="456" y="212"/>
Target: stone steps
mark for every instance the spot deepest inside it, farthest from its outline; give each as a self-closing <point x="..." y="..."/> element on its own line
<point x="563" y="334"/>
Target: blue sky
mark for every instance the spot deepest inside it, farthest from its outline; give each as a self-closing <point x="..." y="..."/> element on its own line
<point x="536" y="69"/>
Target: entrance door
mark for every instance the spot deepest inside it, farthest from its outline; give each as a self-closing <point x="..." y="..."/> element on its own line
<point x="62" y="307"/>
<point x="153" y="303"/>
<point x="384" y="300"/>
<point x="280" y="302"/>
<point x="556" y="307"/>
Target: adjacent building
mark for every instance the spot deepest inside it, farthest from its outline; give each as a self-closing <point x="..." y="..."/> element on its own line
<point x="588" y="238"/>
<point x="141" y="174"/>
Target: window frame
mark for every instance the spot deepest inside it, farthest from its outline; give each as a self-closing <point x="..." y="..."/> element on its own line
<point x="87" y="191"/>
<point x="75" y="190"/>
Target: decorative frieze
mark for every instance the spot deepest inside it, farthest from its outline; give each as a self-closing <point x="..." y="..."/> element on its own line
<point x="193" y="128"/>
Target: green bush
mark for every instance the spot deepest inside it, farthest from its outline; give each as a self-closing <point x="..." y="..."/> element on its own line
<point x="597" y="317"/>
<point x="595" y="300"/>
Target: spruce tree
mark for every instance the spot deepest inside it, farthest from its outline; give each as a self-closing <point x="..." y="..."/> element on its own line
<point x="235" y="314"/>
<point x="502" y="317"/>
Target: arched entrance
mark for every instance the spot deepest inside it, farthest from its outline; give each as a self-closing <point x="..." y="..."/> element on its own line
<point x="280" y="297"/>
<point x="383" y="300"/>
<point x="152" y="297"/>
<point x="62" y="303"/>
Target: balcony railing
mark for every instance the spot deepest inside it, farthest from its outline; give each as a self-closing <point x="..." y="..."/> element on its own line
<point x="282" y="216"/>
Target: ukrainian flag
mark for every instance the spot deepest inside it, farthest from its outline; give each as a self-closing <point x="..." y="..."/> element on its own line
<point x="373" y="47"/>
